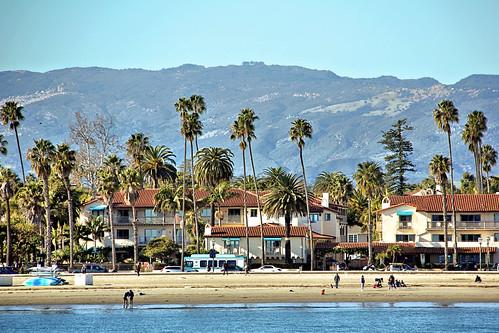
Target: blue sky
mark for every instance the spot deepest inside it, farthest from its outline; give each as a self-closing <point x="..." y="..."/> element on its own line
<point x="447" y="40"/>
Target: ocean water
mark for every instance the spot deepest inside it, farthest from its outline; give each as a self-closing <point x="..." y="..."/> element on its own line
<point x="295" y="317"/>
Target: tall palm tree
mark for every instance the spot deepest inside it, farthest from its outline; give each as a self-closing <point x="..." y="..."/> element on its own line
<point x="168" y="199"/>
<point x="107" y="186"/>
<point x="159" y="164"/>
<point x="182" y="106"/>
<point x="64" y="164"/>
<point x="198" y="106"/>
<point x="135" y="149"/>
<point x="11" y="114"/>
<point x="8" y="185"/>
<point x="3" y="145"/>
<point x="439" y="167"/>
<point x="130" y="185"/>
<point x="286" y="199"/>
<point x="336" y="184"/>
<point x="299" y="131"/>
<point x="192" y="127"/>
<point x="41" y="157"/>
<point x="213" y="166"/>
<point x="30" y="200"/>
<point x="97" y="227"/>
<point x="489" y="159"/>
<point x="248" y="117"/>
<point x="369" y="179"/>
<point x="473" y="132"/>
<point x="444" y="115"/>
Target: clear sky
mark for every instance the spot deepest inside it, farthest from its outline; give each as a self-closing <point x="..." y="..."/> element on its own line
<point x="444" y="39"/>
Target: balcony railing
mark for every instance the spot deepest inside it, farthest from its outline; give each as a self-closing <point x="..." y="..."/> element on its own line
<point x="405" y="225"/>
<point x="466" y="225"/>
<point x="142" y="220"/>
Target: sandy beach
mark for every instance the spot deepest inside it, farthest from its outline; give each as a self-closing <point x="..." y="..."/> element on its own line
<point x="196" y="288"/>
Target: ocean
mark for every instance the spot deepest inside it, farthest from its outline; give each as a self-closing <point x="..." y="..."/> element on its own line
<point x="272" y="317"/>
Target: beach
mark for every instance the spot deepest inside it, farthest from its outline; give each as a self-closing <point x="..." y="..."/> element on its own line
<point x="201" y="288"/>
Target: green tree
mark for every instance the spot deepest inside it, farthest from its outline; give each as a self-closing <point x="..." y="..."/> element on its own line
<point x="473" y="132"/>
<point x="168" y="199"/>
<point x="397" y="160"/>
<point x="369" y="179"/>
<point x="3" y="145"/>
<point x="439" y="167"/>
<point x="130" y="185"/>
<point x="135" y="149"/>
<point x="468" y="182"/>
<point x="444" y="115"/>
<point x="271" y="177"/>
<point x="213" y="166"/>
<point x="8" y="186"/>
<point x="30" y="202"/>
<point x="97" y="227"/>
<point x="11" y="114"/>
<point x="64" y="164"/>
<point x="336" y="184"/>
<point x="161" y="248"/>
<point x="286" y="199"/>
<point x="489" y="160"/>
<point x="394" y="251"/>
<point x="219" y="194"/>
<point x="41" y="157"/>
<point x="159" y="164"/>
<point x="300" y="130"/>
<point x="197" y="106"/>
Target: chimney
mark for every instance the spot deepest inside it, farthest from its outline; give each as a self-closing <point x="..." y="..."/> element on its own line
<point x="385" y="203"/>
<point x="438" y="189"/>
<point x="325" y="200"/>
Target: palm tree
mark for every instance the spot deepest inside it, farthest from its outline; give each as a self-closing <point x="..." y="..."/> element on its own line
<point x="108" y="185"/>
<point x="219" y="194"/>
<point x="301" y="129"/>
<point x="472" y="135"/>
<point x="159" y="164"/>
<point x="247" y="117"/>
<point x="130" y="185"/>
<point x="30" y="200"/>
<point x="182" y="106"/>
<point x="97" y="227"/>
<point x="11" y="113"/>
<point x="336" y="184"/>
<point x="64" y="164"/>
<point x="213" y="166"/>
<point x="8" y="185"/>
<point x="198" y="106"/>
<point x="168" y="199"/>
<point x="439" y="167"/>
<point x="369" y="179"/>
<point x="394" y="250"/>
<point x="135" y="148"/>
<point x="489" y="159"/>
<point x="286" y="199"/>
<point x="41" y="157"/>
<point x="444" y="115"/>
<point x="3" y="145"/>
<point x="271" y="176"/>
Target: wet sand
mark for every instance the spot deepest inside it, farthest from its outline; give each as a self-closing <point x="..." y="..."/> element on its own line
<point x="199" y="288"/>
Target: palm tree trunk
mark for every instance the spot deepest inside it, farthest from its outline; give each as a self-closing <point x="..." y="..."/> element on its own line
<point x="262" y="241"/>
<point x="111" y="228"/>
<point x="183" y="207"/>
<point x="479" y="157"/>
<point x="212" y="215"/>
<point x="287" y="239"/>
<point x="488" y="181"/>
<point x="8" y="260"/>
<point x="20" y="154"/>
<point x="453" y="206"/>
<point x="477" y="172"/>
<point x="245" y="213"/>
<point x="135" y="237"/>
<point x="194" y="198"/>
<point x="71" y="222"/>
<point x="446" y="228"/>
<point x="369" y="234"/>
<point x="175" y="226"/>
<point x="48" y="237"/>
<point x="311" y="240"/>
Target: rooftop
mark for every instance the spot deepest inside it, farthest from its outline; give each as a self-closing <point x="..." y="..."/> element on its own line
<point x="433" y="203"/>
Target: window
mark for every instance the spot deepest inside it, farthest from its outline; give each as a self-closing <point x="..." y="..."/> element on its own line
<point x="272" y="247"/>
<point x="123" y="216"/>
<point x="440" y="218"/>
<point x="206" y="212"/>
<point x="122" y="234"/>
<point x="470" y="237"/>
<point x="405" y="221"/>
<point x="405" y="238"/>
<point x="496" y="237"/>
<point x="327" y="217"/>
<point x="234" y="212"/>
<point x="202" y="263"/>
<point x="353" y="238"/>
<point x="470" y="218"/>
<point x="151" y="234"/>
<point x="440" y="238"/>
<point x="496" y="217"/>
<point x="314" y="217"/>
<point x="231" y="246"/>
<point x="254" y="212"/>
<point x="151" y="216"/>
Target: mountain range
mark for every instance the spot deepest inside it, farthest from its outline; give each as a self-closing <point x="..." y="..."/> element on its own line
<point x="348" y="115"/>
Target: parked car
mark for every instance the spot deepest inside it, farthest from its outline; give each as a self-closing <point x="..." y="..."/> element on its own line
<point x="94" y="268"/>
<point x="267" y="268"/>
<point x="7" y="270"/>
<point x="394" y="267"/>
<point x="177" y="269"/>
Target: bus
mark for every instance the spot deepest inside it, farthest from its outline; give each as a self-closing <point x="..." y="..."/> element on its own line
<point x="203" y="262"/>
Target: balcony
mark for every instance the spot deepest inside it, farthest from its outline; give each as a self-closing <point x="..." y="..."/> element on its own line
<point x="465" y="225"/>
<point x="156" y="220"/>
<point x="405" y="225"/>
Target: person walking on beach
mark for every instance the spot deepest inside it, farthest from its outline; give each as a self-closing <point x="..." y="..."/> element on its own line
<point x="130" y="296"/>
<point x="125" y="300"/>
<point x="225" y="268"/>
<point x="137" y="269"/>
<point x="336" y="281"/>
<point x="362" y="283"/>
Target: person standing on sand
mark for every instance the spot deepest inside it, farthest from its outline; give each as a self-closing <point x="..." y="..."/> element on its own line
<point x="336" y="281"/>
<point x="225" y="268"/>
<point x="137" y="269"/>
<point x="125" y="300"/>
<point x="362" y="283"/>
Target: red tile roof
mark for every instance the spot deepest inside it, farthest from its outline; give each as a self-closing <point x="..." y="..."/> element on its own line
<point x="269" y="230"/>
<point x="463" y="202"/>
<point x="145" y="199"/>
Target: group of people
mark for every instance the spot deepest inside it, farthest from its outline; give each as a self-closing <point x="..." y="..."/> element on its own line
<point x="378" y="282"/>
<point x="128" y="300"/>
